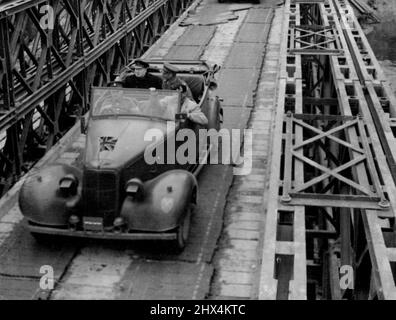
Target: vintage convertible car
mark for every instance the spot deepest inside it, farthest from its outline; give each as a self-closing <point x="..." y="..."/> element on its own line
<point x="115" y="192"/>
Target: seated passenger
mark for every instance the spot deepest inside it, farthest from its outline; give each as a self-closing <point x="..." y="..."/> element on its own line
<point x="171" y="81"/>
<point x="140" y="78"/>
<point x="188" y="106"/>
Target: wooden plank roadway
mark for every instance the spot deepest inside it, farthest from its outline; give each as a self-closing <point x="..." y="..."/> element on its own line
<point x="237" y="261"/>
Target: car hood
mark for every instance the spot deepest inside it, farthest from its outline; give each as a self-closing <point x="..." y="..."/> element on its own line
<point x="112" y="143"/>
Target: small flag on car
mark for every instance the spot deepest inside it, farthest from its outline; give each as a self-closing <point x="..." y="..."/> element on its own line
<point x="107" y="143"/>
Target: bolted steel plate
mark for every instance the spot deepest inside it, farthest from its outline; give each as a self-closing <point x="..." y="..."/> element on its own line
<point x="254" y="32"/>
<point x="236" y="86"/>
<point x="259" y="16"/>
<point x="245" y="55"/>
<point x="196" y="35"/>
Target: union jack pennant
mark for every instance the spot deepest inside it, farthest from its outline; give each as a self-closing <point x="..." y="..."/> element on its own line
<point x="107" y="143"/>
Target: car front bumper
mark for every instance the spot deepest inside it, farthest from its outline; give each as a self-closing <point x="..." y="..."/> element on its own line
<point x="103" y="234"/>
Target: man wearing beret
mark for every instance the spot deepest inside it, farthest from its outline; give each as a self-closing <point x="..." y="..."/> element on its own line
<point x="140" y="78"/>
<point x="171" y="81"/>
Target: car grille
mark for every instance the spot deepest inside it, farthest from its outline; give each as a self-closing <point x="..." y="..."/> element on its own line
<point x="100" y="194"/>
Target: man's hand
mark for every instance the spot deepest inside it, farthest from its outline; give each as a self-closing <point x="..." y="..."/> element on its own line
<point x="181" y="116"/>
<point x="124" y="74"/>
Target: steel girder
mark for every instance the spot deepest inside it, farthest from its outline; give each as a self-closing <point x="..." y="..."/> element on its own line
<point x="377" y="99"/>
<point x="335" y="184"/>
<point x="51" y="52"/>
<point x="379" y="95"/>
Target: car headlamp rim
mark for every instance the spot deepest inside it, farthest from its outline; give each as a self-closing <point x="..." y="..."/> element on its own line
<point x="135" y="188"/>
<point x="68" y="185"/>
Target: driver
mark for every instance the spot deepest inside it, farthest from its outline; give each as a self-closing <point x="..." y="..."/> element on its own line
<point x="140" y="77"/>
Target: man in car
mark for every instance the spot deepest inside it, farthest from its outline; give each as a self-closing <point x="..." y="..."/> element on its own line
<point x="171" y="81"/>
<point x="188" y="106"/>
<point x="140" y="78"/>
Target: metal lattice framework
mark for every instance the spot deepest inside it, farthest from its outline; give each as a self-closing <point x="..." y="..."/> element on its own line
<point x="51" y="52"/>
<point x="314" y="40"/>
<point x="327" y="183"/>
<point x="332" y="198"/>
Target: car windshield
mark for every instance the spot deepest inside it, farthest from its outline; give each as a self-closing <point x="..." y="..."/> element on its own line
<point x="135" y="102"/>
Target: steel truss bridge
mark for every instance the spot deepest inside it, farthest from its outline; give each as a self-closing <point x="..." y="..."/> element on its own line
<point x="51" y="53"/>
<point x="332" y="199"/>
<point x="331" y="203"/>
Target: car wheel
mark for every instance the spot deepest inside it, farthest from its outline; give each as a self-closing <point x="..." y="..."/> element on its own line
<point x="183" y="230"/>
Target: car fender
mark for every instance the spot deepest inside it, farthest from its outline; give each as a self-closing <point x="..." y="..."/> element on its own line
<point x="164" y="203"/>
<point x="41" y="200"/>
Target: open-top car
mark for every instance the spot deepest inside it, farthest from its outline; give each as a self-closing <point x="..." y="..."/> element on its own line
<point x="131" y="183"/>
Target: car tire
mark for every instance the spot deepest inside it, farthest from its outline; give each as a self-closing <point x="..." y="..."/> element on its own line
<point x="183" y="230"/>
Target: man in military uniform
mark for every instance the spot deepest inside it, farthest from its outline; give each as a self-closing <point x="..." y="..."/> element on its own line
<point x="188" y="106"/>
<point x="140" y="78"/>
<point x="171" y="81"/>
